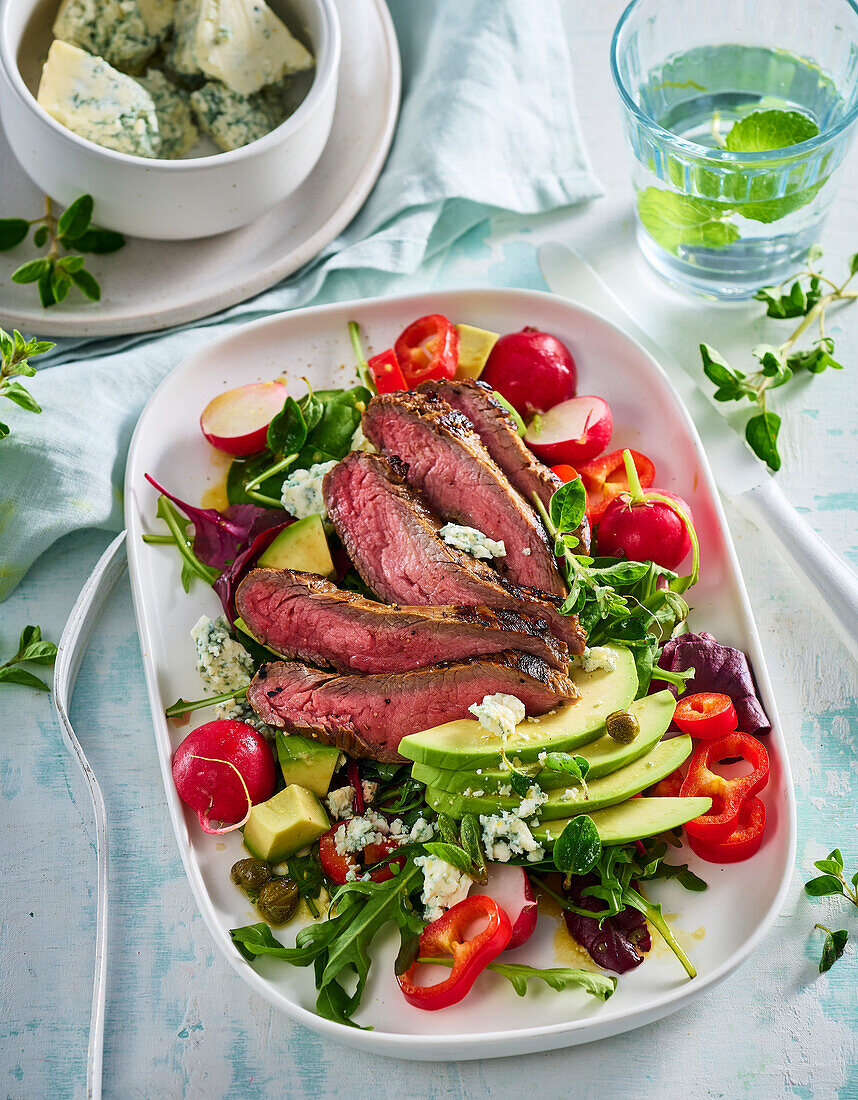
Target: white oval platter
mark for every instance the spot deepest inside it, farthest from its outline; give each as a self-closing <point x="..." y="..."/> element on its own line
<point x="719" y="927"/>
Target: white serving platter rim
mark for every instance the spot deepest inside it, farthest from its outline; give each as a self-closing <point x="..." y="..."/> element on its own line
<point x="207" y="285"/>
<point x="329" y="321"/>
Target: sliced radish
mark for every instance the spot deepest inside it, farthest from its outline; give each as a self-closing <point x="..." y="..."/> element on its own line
<point x="572" y="432"/>
<point x="237" y="421"/>
<point x="510" y="887"/>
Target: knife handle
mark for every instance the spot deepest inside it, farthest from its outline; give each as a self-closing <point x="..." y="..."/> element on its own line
<point x="768" y="508"/>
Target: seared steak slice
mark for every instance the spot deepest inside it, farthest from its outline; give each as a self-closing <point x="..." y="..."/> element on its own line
<point x="496" y="430"/>
<point x="392" y="538"/>
<point x="449" y="466"/>
<point x="369" y="715"/>
<point x="304" y="617"/>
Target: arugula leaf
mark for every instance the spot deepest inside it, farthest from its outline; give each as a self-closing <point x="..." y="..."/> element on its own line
<point x="764" y="131"/>
<point x="471" y="839"/>
<point x="675" y="220"/>
<point x="557" y="977"/>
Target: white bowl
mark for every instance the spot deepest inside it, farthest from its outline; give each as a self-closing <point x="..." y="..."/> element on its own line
<point x="164" y="199"/>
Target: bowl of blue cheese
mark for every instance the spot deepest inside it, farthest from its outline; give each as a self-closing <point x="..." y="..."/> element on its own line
<point x="182" y="118"/>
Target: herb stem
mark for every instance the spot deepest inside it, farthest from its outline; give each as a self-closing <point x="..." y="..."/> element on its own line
<point x="362" y="365"/>
<point x="566" y="904"/>
<point x="655" y="916"/>
<point x="168" y="514"/>
<point x="182" y="706"/>
<point x="283" y="464"/>
<point x="261" y="498"/>
<point x="159" y="540"/>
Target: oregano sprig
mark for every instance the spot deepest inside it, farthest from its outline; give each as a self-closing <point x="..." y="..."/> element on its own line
<point x="55" y="274"/>
<point x="830" y="882"/>
<point x="15" y="353"/>
<point x="807" y="295"/>
<point x="32" y="649"/>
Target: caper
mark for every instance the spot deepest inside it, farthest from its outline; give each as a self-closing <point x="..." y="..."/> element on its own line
<point x="278" y="900"/>
<point x="250" y="874"/>
<point x="622" y="726"/>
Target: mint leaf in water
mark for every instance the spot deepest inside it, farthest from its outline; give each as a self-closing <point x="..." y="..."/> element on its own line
<point x="675" y="221"/>
<point x="762" y="131"/>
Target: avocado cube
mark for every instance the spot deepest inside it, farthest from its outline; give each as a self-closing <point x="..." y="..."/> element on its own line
<point x="475" y="346"/>
<point x="306" y="762"/>
<point x="284" y="824"/>
<point x="302" y="546"/>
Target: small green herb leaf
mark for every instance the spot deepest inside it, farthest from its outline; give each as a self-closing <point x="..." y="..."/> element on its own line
<point x="16" y="393"/>
<point x="74" y="221"/>
<point x="85" y="282"/>
<point x="12" y="675"/>
<point x="763" y="131"/>
<point x="46" y="293"/>
<point x="675" y="220"/>
<point x="471" y="839"/>
<point x="100" y="241"/>
<point x="40" y="237"/>
<point x="832" y="948"/>
<point x="761" y="433"/>
<point x="12" y="232"/>
<point x="30" y="271"/>
<point x="567" y="506"/>
<point x="829" y="866"/>
<point x="578" y="848"/>
<point x="451" y="854"/>
<point x="823" y="886"/>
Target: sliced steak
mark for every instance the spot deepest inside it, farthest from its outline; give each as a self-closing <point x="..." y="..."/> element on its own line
<point x="369" y="715"/>
<point x="449" y="466"/>
<point x="304" y="617"/>
<point x="392" y="538"/>
<point x="497" y="432"/>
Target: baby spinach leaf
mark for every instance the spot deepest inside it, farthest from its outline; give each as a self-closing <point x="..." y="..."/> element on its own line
<point x="578" y="848"/>
<point x="287" y="432"/>
<point x="568" y="505"/>
<point x="764" y="131"/>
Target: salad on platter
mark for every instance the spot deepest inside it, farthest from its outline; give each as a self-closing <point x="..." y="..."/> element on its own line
<point x="453" y="676"/>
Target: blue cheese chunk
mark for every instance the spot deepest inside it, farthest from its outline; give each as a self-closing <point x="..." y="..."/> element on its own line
<point x="224" y="664"/>
<point x="595" y="659"/>
<point x="472" y="541"/>
<point x="112" y="29"/>
<point x="239" y="43"/>
<point x="506" y="835"/>
<point x="94" y="100"/>
<point x="158" y="16"/>
<point x="499" y="714"/>
<point x="232" y="120"/>
<point x="443" y="886"/>
<point x="302" y="491"/>
<point x="173" y="108"/>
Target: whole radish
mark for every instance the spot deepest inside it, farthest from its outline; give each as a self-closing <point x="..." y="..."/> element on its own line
<point x="221" y="770"/>
<point x="533" y="370"/>
<point x="648" y="525"/>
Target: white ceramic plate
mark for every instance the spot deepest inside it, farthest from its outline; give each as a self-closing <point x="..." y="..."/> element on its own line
<point x="150" y="285"/>
<point x="719" y="928"/>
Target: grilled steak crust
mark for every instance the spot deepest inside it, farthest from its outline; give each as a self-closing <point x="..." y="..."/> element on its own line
<point x="392" y="539"/>
<point x="449" y="466"/>
<point x="369" y="715"/>
<point x="304" y="617"/>
<point x="496" y="429"/>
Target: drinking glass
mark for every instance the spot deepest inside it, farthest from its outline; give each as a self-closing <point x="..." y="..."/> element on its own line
<point x="719" y="222"/>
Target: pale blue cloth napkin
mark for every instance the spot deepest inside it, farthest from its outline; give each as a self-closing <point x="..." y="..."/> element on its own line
<point x="487" y="123"/>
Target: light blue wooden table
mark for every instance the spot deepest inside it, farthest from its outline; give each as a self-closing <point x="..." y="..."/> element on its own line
<point x="179" y="1021"/>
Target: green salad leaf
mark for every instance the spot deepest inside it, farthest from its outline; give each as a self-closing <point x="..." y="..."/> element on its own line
<point x="764" y="131"/>
<point x="674" y="220"/>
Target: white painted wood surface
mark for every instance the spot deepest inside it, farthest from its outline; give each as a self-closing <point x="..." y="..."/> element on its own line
<point x="180" y="1023"/>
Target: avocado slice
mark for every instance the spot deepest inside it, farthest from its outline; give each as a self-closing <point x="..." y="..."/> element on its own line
<point x="284" y="824"/>
<point x="574" y="799"/>
<point x="306" y="762"/>
<point x="631" y="820"/>
<point x="302" y="547"/>
<point x="604" y="755"/>
<point x="475" y="347"/>
<point x="464" y="744"/>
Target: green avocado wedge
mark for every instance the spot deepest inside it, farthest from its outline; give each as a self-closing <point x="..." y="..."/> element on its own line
<point x="634" y="819"/>
<point x="607" y="791"/>
<point x="604" y="755"/>
<point x="465" y="744"/>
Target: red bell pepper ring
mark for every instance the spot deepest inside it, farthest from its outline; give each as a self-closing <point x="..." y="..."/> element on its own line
<point x="386" y="372"/>
<point x="728" y="795"/>
<point x="605" y="479"/>
<point x="565" y="472"/>
<point x="669" y="787"/>
<point x="742" y="843"/>
<point x="447" y="936"/>
<point x="428" y="349"/>
<point x="707" y="715"/>
<point x="337" y="865"/>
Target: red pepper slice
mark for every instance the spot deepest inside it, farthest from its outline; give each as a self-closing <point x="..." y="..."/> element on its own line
<point x="728" y="795"/>
<point x="446" y="936"/>
<point x="669" y="787"/>
<point x="564" y="472"/>
<point x="742" y="843"/>
<point x="337" y="865"/>
<point x="428" y="348"/>
<point x="707" y="714"/>
<point x="605" y="478"/>
<point x="386" y="372"/>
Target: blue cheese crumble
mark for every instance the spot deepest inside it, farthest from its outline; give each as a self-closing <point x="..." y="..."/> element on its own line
<point x="302" y="491"/>
<point x="472" y="541"/>
<point x="113" y="29"/>
<point x="232" y="120"/>
<point x="499" y="714"/>
<point x="596" y="659"/>
<point x="443" y="886"/>
<point x="224" y="664"/>
<point x="506" y="835"/>
<point x="176" y="127"/>
<point x="340" y="802"/>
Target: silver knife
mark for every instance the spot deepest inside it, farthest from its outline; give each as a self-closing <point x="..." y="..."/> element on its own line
<point x="742" y="479"/>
